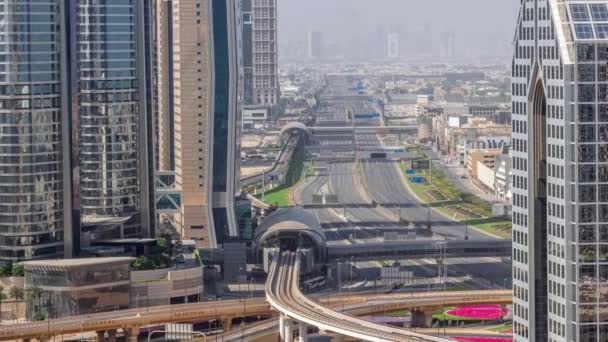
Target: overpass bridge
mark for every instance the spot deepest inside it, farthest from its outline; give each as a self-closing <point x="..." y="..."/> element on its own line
<point x="296" y="227"/>
<point x="432" y="249"/>
<point x="130" y="322"/>
<point x="309" y="132"/>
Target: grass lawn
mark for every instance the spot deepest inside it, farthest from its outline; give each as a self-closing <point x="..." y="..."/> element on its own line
<point x="445" y="317"/>
<point x="279" y="196"/>
<point x="296" y="171"/>
<point x="402" y="313"/>
<point x="504" y="327"/>
<point x="445" y="197"/>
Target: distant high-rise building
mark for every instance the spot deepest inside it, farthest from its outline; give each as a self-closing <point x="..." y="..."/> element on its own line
<point x="315" y="45"/>
<point x="207" y="99"/>
<point x="393" y="45"/>
<point x="380" y="43"/>
<point x="448" y="45"/>
<point x="265" y="52"/>
<point x="560" y="171"/>
<point x="76" y="125"/>
<point x="165" y="138"/>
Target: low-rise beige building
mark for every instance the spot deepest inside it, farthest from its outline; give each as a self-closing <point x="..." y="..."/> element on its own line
<point x="486" y="157"/>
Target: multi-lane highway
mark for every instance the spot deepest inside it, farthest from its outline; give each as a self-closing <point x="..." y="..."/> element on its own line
<point x="374" y="200"/>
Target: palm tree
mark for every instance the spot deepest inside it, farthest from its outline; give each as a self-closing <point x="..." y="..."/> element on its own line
<point x="34" y="293"/>
<point x="17" y="294"/>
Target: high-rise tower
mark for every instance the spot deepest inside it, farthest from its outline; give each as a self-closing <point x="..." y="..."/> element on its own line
<point x="265" y="52"/>
<point x="31" y="157"/>
<point x="165" y="143"/>
<point x="207" y="100"/>
<point x="74" y="79"/>
<point x="112" y="164"/>
<point x="560" y="171"/>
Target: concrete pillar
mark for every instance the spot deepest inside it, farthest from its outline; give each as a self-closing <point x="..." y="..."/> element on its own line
<point x="289" y="330"/>
<point x="43" y="339"/>
<point x="302" y="332"/>
<point x="131" y="334"/>
<point x="111" y="336"/>
<point x="282" y="328"/>
<point x="338" y="338"/>
<point x="101" y="336"/>
<point x="422" y="319"/>
<point x="227" y="324"/>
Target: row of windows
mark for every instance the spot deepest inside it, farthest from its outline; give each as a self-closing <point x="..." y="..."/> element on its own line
<point x="520" y="219"/>
<point x="518" y="126"/>
<point x="520" y="164"/>
<point x="520" y="145"/>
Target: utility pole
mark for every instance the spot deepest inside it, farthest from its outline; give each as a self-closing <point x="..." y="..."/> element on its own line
<point x="263" y="185"/>
<point x="431" y="171"/>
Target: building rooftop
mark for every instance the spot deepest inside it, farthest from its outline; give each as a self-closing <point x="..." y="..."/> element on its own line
<point x="73" y="263"/>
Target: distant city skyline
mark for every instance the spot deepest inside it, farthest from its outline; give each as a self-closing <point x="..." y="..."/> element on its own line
<point x="344" y="22"/>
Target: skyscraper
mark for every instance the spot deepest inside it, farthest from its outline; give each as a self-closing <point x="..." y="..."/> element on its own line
<point x="393" y="45"/>
<point x="315" y="45"/>
<point x="248" y="84"/>
<point x="75" y="126"/>
<point x="265" y="52"/>
<point x="112" y="163"/>
<point x="165" y="143"/>
<point x="560" y="171"/>
<point x="447" y="45"/>
<point x="31" y="156"/>
<point x="207" y="100"/>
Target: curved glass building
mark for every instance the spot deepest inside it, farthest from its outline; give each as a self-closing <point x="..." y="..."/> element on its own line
<point x="31" y="178"/>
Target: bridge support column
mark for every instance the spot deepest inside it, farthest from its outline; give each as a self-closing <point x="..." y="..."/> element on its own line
<point x="302" y="332"/>
<point x="422" y="319"/>
<point x="289" y="330"/>
<point x="227" y="324"/>
<point x="101" y="336"/>
<point x="282" y="327"/>
<point x="338" y="338"/>
<point x="111" y="335"/>
<point x="131" y="334"/>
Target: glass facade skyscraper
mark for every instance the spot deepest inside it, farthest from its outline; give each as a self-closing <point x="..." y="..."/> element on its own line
<point x="75" y="123"/>
<point x="109" y="92"/>
<point x="31" y="179"/>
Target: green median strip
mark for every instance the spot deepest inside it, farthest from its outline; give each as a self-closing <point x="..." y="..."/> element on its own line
<point x="451" y="202"/>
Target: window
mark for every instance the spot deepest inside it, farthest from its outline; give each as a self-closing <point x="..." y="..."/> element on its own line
<point x="599" y="12"/>
<point x="579" y="12"/>
<point x="601" y="30"/>
<point x="584" y="31"/>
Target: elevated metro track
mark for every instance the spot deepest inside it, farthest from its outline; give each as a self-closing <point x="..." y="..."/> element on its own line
<point x="283" y="293"/>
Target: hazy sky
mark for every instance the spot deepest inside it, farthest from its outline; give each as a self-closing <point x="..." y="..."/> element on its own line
<point x="477" y="24"/>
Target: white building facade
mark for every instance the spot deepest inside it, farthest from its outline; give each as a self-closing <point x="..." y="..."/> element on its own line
<point x="560" y="175"/>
